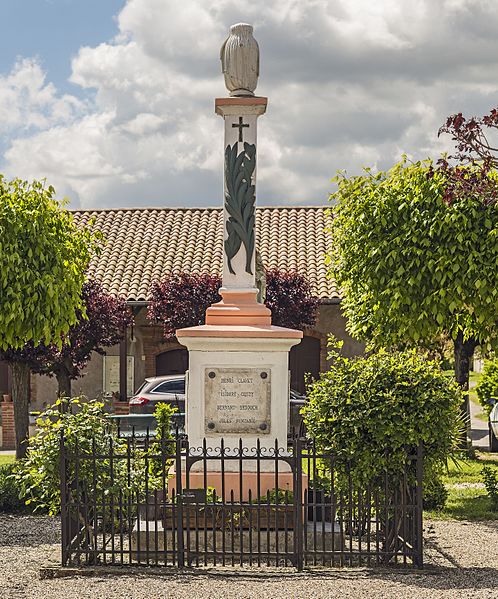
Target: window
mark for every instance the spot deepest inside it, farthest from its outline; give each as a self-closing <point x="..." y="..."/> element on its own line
<point x="176" y="386"/>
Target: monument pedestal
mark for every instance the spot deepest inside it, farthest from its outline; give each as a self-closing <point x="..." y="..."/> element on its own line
<point x="238" y="385"/>
<point x="238" y="391"/>
<point x="253" y="486"/>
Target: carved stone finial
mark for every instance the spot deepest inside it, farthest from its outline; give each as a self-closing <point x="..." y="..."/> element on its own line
<point x="240" y="60"/>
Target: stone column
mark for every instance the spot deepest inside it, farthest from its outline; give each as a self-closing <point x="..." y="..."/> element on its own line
<point x="239" y="292"/>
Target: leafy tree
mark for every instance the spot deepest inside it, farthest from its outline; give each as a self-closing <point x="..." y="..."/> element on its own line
<point x="471" y="137"/>
<point x="181" y="300"/>
<point x="102" y="322"/>
<point x="411" y="265"/>
<point x="43" y="258"/>
<point x="289" y="297"/>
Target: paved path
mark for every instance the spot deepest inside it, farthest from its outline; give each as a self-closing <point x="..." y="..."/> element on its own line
<point x="479" y="428"/>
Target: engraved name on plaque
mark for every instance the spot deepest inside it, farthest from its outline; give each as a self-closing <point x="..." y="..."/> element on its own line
<point x="238" y="400"/>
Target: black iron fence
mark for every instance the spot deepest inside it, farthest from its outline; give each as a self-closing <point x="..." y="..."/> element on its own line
<point x="140" y="500"/>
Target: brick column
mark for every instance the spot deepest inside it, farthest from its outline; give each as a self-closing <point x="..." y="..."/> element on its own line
<point x="120" y="408"/>
<point x="8" y="430"/>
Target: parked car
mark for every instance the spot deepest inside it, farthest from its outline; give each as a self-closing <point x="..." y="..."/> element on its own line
<point x="171" y="389"/>
<point x="493" y="428"/>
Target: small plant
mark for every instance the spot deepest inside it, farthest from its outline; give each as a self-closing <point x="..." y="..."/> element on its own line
<point x="277" y="497"/>
<point x="85" y="426"/>
<point x="10" y="493"/>
<point x="487" y="389"/>
<point x="162" y="446"/>
<point x="435" y="493"/>
<point x="490" y="480"/>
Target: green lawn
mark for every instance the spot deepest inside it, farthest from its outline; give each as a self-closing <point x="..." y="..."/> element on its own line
<point x="467" y="503"/>
<point x="469" y="470"/>
<point x="6" y="458"/>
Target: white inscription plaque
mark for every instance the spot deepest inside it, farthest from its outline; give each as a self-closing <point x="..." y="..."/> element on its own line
<point x="238" y="400"/>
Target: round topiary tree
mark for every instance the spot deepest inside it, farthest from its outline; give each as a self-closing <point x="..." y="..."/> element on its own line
<point x="376" y="409"/>
<point x="43" y="260"/>
<point x="414" y="264"/>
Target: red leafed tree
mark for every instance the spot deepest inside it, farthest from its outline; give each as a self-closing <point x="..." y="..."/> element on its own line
<point x="181" y="300"/>
<point x="470" y="173"/>
<point x="470" y="170"/>
<point x="102" y="325"/>
<point x="289" y="297"/>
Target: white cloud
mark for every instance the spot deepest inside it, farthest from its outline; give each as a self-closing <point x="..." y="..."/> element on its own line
<point x="28" y="102"/>
<point x="349" y="83"/>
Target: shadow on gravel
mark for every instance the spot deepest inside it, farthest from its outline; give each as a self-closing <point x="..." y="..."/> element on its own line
<point x="28" y="531"/>
<point x="435" y="578"/>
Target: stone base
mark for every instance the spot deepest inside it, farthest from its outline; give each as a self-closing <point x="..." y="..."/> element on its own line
<point x="238" y="308"/>
<point x="232" y="481"/>
<point x="238" y="348"/>
<point x="326" y="537"/>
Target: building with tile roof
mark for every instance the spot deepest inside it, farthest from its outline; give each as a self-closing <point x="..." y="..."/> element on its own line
<point x="144" y="244"/>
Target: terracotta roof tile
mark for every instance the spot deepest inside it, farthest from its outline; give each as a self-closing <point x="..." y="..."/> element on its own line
<point x="144" y="244"/>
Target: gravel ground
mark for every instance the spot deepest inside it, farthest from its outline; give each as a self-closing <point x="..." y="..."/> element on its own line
<point x="462" y="560"/>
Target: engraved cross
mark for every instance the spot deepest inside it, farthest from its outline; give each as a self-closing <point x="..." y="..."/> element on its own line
<point x="240" y="125"/>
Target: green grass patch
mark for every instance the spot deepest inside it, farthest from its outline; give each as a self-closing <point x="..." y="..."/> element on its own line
<point x="6" y="458"/>
<point x="466" y="504"/>
<point x="467" y="471"/>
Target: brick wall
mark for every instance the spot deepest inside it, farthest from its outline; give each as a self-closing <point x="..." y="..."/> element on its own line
<point x="154" y="344"/>
<point x="8" y="430"/>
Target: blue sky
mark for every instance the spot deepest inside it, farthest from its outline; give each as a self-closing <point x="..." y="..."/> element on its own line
<point x="54" y="31"/>
<point x="112" y="101"/>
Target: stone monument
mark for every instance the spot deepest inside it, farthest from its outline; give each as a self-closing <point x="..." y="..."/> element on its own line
<point x="238" y="380"/>
<point x="240" y="61"/>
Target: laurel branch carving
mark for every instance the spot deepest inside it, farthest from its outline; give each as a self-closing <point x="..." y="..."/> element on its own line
<point x="240" y="198"/>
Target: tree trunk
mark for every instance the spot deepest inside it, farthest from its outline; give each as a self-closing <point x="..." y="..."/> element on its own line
<point x="20" y="397"/>
<point x="463" y="352"/>
<point x="64" y="382"/>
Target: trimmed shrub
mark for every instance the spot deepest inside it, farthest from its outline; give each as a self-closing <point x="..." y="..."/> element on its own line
<point x="375" y="410"/>
<point x="490" y="479"/>
<point x="487" y="389"/>
<point x="290" y="299"/>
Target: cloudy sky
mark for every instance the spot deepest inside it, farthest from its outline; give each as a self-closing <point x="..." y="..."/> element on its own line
<point x="112" y="101"/>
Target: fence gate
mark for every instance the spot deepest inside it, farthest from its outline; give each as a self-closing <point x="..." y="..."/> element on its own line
<point x="161" y="502"/>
